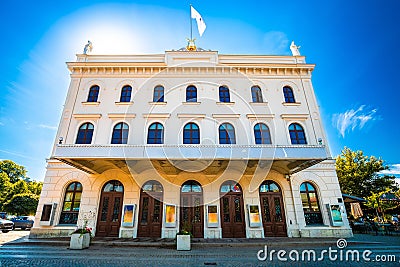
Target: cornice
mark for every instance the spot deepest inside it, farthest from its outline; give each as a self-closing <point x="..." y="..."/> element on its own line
<point x="260" y="116"/>
<point x="121" y="115"/>
<point x="294" y="116"/>
<point x="80" y="69"/>
<point x="87" y="116"/>
<point x="156" y="115"/>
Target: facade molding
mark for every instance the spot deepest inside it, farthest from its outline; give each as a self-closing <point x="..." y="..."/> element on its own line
<point x="121" y="116"/>
<point x="87" y="116"/>
<point x="156" y="115"/>
<point x="302" y="117"/>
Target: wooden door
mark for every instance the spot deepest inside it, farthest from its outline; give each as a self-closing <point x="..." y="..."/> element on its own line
<point x="232" y="215"/>
<point x="191" y="218"/>
<point x="150" y="215"/>
<point x="272" y="211"/>
<point x="109" y="220"/>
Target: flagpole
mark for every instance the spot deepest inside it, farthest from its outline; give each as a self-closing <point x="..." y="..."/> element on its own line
<point x="190" y="14"/>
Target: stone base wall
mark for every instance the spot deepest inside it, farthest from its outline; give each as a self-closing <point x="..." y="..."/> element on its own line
<point x="50" y="232"/>
<point x="329" y="232"/>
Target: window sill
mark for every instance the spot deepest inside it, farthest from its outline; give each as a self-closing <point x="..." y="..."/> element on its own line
<point x="158" y="103"/>
<point x="123" y="103"/>
<point x="90" y="103"/>
<point x="191" y="103"/>
<point x="259" y="103"/>
<point x="291" y="104"/>
<point x="225" y="103"/>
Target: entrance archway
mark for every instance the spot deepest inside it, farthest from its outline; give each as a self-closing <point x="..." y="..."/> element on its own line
<point x="272" y="209"/>
<point x="191" y="217"/>
<point x="109" y="218"/>
<point x="232" y="211"/>
<point x="150" y="210"/>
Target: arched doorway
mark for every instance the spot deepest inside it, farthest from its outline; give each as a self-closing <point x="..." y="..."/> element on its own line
<point x="109" y="219"/>
<point x="232" y="211"/>
<point x="150" y="210"/>
<point x="272" y="209"/>
<point x="191" y="217"/>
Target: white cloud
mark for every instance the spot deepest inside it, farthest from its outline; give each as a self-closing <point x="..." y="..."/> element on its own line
<point x="394" y="169"/>
<point x="44" y="126"/>
<point x="353" y="119"/>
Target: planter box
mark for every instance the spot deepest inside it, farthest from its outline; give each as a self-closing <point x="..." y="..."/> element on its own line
<point x="183" y="242"/>
<point x="79" y="241"/>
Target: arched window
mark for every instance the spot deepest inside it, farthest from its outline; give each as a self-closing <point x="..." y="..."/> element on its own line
<point x="113" y="186"/>
<point x="269" y="187"/>
<point x="256" y="94"/>
<point x="227" y="134"/>
<point x="152" y="186"/>
<point x="262" y="134"/>
<point x="126" y="93"/>
<point x="120" y="133"/>
<point x="85" y="134"/>
<point x="72" y="201"/>
<point x="224" y="94"/>
<point x="191" y="186"/>
<point x="297" y="135"/>
<point x="93" y="93"/>
<point x="288" y="93"/>
<point x="309" y="198"/>
<point x="230" y="186"/>
<point x="158" y="95"/>
<point x="191" y="134"/>
<point x="155" y="135"/>
<point x="191" y="94"/>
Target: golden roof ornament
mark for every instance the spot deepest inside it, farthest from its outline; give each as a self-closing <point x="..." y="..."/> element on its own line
<point x="191" y="46"/>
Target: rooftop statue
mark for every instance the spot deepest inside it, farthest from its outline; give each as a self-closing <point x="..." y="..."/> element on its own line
<point x="295" y="49"/>
<point x="88" y="48"/>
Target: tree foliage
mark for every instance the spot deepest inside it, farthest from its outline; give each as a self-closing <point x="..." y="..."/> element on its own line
<point x="17" y="189"/>
<point x="22" y="204"/>
<point x="358" y="174"/>
<point x="14" y="171"/>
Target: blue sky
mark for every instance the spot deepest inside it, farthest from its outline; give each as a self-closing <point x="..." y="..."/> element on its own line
<point x="354" y="45"/>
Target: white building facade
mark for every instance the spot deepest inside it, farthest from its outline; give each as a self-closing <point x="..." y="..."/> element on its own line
<point x="222" y="146"/>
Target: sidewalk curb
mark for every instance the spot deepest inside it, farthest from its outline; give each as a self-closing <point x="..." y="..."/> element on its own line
<point x="171" y="244"/>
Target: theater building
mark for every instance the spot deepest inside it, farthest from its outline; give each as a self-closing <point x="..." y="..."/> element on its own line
<point x="224" y="146"/>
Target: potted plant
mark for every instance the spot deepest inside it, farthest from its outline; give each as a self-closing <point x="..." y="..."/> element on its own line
<point x="80" y="238"/>
<point x="183" y="237"/>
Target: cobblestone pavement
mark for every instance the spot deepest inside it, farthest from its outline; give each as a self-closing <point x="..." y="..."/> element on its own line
<point x="14" y="254"/>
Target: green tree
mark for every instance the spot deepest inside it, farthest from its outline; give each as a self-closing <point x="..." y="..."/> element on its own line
<point x="5" y="187"/>
<point x="14" y="171"/>
<point x="22" y="204"/>
<point x="14" y="182"/>
<point x="35" y="187"/>
<point x="358" y="174"/>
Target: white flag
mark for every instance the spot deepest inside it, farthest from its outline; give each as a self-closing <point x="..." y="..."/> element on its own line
<point x="201" y="26"/>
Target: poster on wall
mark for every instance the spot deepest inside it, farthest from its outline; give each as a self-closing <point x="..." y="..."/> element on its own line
<point x="254" y="215"/>
<point x="170" y="215"/>
<point x="335" y="214"/>
<point x="212" y="216"/>
<point x="47" y="217"/>
<point x="128" y="215"/>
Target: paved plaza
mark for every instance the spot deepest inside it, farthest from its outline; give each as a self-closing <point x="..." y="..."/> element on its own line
<point x="240" y="252"/>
